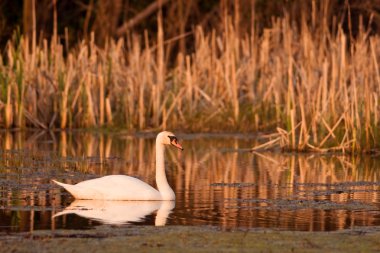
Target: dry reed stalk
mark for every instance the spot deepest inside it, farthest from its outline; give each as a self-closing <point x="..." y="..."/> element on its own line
<point x="228" y="64"/>
<point x="145" y="76"/>
<point x="235" y="91"/>
<point x="343" y="67"/>
<point x="109" y="112"/>
<point x="189" y="85"/>
<point x="266" y="145"/>
<point x="160" y="71"/>
<point x="34" y="36"/>
<point x="353" y="118"/>
<point x="213" y="58"/>
<point x="172" y="106"/>
<point x="101" y="95"/>
<point x="64" y="90"/>
<point x="331" y="130"/>
<point x="333" y="88"/>
<point x="367" y="114"/>
<point x="20" y="94"/>
<point x="324" y="85"/>
<point x="90" y="114"/>
<point x="303" y="136"/>
<point x="8" y="114"/>
<point x="374" y="58"/>
<point x="293" y="129"/>
<point x="34" y="121"/>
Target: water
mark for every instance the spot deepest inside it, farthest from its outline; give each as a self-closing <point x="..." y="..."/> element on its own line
<point x="216" y="181"/>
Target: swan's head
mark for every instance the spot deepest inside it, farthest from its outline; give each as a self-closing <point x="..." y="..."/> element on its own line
<point x="168" y="138"/>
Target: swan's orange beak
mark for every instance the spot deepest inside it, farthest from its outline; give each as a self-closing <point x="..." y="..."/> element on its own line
<point x="175" y="143"/>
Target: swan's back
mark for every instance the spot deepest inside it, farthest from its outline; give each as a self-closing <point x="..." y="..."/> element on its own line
<point x="113" y="187"/>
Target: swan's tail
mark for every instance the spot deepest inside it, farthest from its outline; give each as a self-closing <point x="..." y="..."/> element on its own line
<point x="59" y="183"/>
<point x="68" y="187"/>
<point x="63" y="213"/>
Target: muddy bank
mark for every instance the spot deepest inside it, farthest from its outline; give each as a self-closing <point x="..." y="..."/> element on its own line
<point x="190" y="239"/>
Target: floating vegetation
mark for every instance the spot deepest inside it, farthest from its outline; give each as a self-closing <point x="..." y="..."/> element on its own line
<point x="233" y="185"/>
<point x="296" y="204"/>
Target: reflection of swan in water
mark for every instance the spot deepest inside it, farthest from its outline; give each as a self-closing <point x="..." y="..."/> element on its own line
<point x="121" y="187"/>
<point x="119" y="212"/>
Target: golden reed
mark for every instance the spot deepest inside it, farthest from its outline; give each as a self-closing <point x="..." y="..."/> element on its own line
<point x="318" y="88"/>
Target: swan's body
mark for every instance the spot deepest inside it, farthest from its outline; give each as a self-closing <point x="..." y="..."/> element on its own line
<point x="120" y="187"/>
<point x="113" y="187"/>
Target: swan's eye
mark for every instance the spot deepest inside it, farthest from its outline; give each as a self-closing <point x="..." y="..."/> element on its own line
<point x="173" y="139"/>
<point x="174" y="142"/>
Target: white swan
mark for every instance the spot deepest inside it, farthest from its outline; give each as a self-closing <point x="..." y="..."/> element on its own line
<point x="119" y="212"/>
<point x="120" y="187"/>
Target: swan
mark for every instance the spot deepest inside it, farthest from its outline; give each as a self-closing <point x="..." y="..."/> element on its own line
<point x="121" y="187"/>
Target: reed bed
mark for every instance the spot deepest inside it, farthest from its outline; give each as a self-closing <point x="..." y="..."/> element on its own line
<point x="318" y="88"/>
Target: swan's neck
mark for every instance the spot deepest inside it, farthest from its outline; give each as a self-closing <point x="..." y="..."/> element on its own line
<point x="162" y="183"/>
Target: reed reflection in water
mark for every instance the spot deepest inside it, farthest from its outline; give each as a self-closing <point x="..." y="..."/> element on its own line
<point x="215" y="181"/>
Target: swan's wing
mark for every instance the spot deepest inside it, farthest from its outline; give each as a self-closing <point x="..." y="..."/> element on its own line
<point x="117" y="187"/>
<point x="80" y="192"/>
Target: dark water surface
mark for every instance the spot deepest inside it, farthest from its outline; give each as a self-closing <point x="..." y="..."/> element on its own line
<point x="216" y="181"/>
